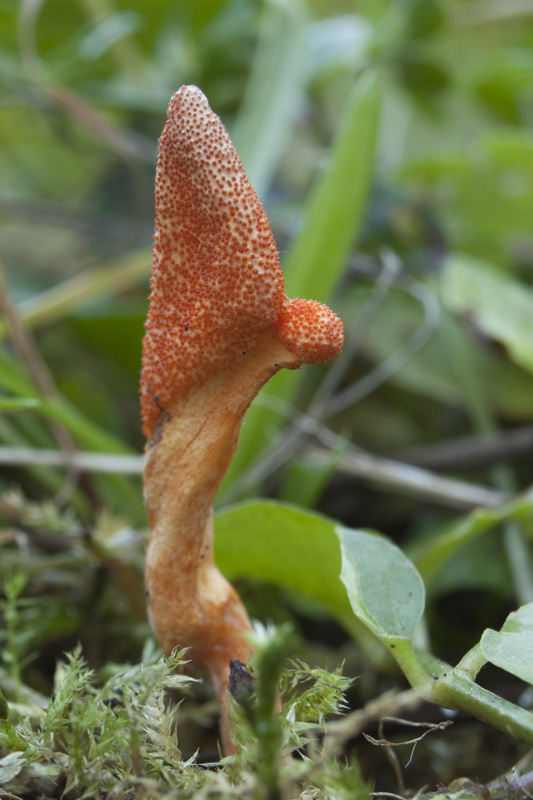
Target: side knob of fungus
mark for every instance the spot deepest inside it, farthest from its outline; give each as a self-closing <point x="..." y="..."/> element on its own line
<point x="219" y="326"/>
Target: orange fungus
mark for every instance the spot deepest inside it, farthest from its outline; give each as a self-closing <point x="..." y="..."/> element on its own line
<point x="219" y="326"/>
<point x="216" y="282"/>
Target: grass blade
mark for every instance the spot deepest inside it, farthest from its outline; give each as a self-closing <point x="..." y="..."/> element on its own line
<point x="276" y="80"/>
<point x="333" y="215"/>
<point x="318" y="256"/>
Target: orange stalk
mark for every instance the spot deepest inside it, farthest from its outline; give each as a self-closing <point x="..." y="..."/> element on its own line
<point x="219" y="326"/>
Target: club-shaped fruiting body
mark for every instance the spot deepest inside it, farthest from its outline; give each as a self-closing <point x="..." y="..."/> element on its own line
<point x="219" y="326"/>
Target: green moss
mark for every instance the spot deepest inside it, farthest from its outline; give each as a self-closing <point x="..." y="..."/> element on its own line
<point x="97" y="739"/>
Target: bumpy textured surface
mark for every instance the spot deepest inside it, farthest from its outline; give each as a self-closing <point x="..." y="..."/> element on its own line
<point x="311" y="330"/>
<point x="216" y="281"/>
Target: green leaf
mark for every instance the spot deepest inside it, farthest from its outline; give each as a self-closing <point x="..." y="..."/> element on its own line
<point x="384" y="587"/>
<point x="500" y="306"/>
<point x="511" y="648"/>
<point x="520" y="621"/>
<point x="285" y="546"/>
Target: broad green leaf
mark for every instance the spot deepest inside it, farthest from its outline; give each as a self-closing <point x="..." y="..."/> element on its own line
<point x="511" y="648"/>
<point x="384" y="587"/>
<point x="500" y="306"/>
<point x="318" y="255"/>
<point x="283" y="545"/>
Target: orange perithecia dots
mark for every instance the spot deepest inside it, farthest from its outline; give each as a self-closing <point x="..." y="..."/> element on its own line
<point x="217" y="283"/>
<point x="311" y="330"/>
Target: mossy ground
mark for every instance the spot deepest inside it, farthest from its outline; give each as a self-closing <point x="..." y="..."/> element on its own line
<point x="91" y="709"/>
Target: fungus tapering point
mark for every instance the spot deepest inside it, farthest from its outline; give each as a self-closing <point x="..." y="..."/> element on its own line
<point x="219" y="326"/>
